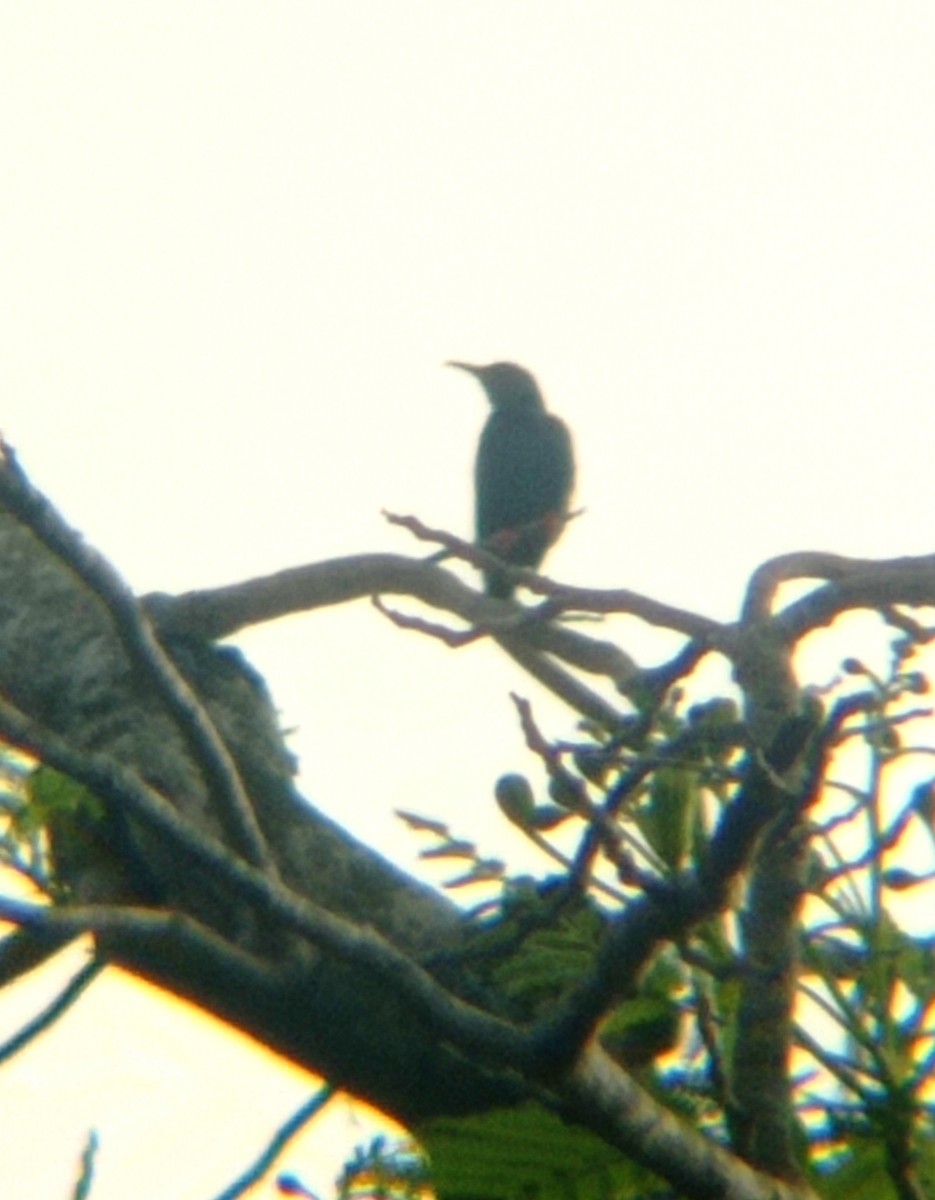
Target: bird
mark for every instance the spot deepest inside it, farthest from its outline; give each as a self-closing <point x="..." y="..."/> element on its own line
<point x="523" y="474"/>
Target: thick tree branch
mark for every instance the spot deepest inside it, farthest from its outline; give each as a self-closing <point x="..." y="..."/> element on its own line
<point x="475" y="1031"/>
<point x="220" y="612"/>
<point x="595" y="1092"/>
<point x="780" y="727"/>
<point x="61" y="664"/>
<point x="133" y="627"/>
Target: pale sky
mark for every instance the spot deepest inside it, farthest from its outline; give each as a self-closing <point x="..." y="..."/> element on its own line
<point x="237" y="242"/>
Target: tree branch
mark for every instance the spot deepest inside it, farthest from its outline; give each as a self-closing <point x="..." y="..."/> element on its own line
<point x="49" y="1015"/>
<point x="283" y="1136"/>
<point x="851" y="583"/>
<point x="30" y="507"/>
<point x="605" y="1099"/>
<point x="475" y="1031"/>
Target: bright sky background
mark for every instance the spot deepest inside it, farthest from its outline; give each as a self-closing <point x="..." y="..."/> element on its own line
<point x="237" y="242"/>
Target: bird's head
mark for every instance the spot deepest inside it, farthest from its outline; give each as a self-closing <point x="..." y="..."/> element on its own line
<point x="508" y="387"/>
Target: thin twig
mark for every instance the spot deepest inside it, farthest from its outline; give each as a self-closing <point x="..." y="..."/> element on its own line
<point x="51" y="1013"/>
<point x="283" y="1136"/>
<point x="454" y="638"/>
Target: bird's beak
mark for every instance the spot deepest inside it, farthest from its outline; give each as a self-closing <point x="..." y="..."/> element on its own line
<point x="463" y="366"/>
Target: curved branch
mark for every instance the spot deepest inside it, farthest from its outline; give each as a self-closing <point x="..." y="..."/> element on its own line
<point x="853" y="583"/>
<point x="220" y="612"/>
<point x="216" y="613"/>
<point x="874" y="586"/>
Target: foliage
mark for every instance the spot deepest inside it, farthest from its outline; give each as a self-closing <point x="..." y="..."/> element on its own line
<point x="394" y="1170"/>
<point x="23" y="845"/>
<point x="864" y="1086"/>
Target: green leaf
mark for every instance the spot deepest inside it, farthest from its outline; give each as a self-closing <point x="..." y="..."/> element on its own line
<point x="863" y="1174"/>
<point x="642" y="1029"/>
<point x="526" y="1153"/>
<point x="551" y="960"/>
<point x="55" y="798"/>
<point x="668" y="821"/>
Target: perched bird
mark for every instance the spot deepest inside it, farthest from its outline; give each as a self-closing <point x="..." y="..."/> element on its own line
<point x="523" y="474"/>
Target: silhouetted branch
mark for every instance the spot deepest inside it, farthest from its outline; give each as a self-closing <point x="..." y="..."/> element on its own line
<point x="605" y="601"/>
<point x="30" y="507"/>
<point x="455" y="639"/>
<point x="51" y="1013"/>
<point x="563" y="684"/>
<point x="85" y="1179"/>
<point x="848" y="583"/>
<point x="283" y="1136"/>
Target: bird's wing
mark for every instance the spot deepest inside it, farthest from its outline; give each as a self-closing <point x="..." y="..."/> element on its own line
<point x="524" y="471"/>
<point x="559" y="471"/>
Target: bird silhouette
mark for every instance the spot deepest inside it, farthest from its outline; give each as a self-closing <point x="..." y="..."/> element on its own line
<point x="523" y="473"/>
